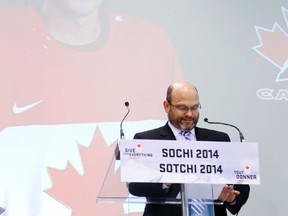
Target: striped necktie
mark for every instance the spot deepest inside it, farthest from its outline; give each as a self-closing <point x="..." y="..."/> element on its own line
<point x="186" y="135"/>
<point x="197" y="206"/>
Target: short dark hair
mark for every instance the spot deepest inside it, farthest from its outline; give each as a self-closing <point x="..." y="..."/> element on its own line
<point x="169" y="92"/>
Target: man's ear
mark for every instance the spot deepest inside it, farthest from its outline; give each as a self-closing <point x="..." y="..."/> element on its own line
<point x="166" y="106"/>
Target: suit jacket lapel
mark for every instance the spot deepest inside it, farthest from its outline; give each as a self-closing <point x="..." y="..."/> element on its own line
<point x="166" y="133"/>
<point x="200" y="136"/>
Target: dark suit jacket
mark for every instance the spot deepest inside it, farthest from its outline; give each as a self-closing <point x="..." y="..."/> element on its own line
<point x="154" y="190"/>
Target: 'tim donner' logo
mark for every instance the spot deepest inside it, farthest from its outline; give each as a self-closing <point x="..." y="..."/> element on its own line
<point x="273" y="47"/>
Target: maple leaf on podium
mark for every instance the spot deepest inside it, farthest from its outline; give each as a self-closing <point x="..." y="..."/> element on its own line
<point x="79" y="192"/>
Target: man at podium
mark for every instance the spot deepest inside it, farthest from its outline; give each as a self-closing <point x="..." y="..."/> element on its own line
<point x="182" y="107"/>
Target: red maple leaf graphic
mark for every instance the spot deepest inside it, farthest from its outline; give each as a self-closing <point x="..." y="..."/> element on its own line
<point x="274" y="45"/>
<point x="79" y="192"/>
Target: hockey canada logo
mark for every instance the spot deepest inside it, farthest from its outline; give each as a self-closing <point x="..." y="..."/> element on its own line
<point x="273" y="46"/>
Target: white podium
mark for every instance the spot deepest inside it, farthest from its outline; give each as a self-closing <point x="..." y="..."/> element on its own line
<point x="201" y="168"/>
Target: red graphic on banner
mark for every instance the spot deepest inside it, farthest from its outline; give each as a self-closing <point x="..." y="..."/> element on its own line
<point x="273" y="46"/>
<point x="80" y="192"/>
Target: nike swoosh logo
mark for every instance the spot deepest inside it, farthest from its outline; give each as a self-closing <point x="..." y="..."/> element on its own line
<point x="18" y="110"/>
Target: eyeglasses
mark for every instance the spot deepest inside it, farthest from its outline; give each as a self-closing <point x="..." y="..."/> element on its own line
<point x="185" y="109"/>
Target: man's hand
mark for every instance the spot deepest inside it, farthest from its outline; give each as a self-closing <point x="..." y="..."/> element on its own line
<point x="228" y="194"/>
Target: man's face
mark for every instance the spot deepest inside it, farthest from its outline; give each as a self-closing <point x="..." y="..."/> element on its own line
<point x="183" y="111"/>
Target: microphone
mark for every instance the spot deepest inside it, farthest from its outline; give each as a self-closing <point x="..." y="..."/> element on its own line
<point x="221" y="123"/>
<point x="122" y="136"/>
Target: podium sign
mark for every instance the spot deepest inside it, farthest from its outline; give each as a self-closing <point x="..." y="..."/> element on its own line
<point x="199" y="162"/>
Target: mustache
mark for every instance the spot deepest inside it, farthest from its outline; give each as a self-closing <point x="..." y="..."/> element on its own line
<point x="189" y="119"/>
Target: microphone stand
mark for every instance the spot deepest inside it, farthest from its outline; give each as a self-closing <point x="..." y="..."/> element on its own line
<point x="122" y="136"/>
<point x="221" y="123"/>
<point x="184" y="202"/>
